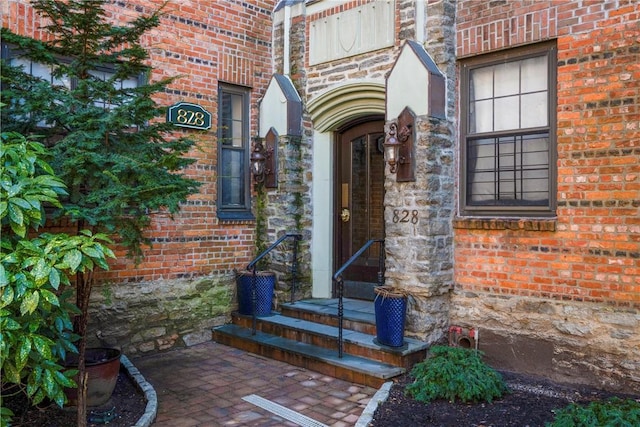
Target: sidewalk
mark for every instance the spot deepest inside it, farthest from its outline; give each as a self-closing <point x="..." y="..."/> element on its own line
<point x="204" y="386"/>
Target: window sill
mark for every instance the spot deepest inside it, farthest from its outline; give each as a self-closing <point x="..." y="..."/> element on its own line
<point x="236" y="217"/>
<point x="529" y="224"/>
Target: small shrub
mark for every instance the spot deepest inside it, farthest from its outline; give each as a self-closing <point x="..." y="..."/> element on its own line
<point x="455" y="373"/>
<point x="613" y="412"/>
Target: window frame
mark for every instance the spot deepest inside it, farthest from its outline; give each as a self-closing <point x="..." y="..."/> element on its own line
<point x="241" y="212"/>
<point x="466" y="67"/>
<point x="10" y="52"/>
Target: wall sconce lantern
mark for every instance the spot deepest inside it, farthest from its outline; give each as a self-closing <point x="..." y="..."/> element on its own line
<point x="263" y="160"/>
<point x="257" y="161"/>
<point x="399" y="147"/>
<point x="392" y="147"/>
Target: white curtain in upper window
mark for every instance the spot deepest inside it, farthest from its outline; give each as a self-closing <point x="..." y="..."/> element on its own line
<point x="509" y="96"/>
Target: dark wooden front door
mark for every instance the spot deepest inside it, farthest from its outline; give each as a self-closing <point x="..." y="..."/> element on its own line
<point x="359" y="205"/>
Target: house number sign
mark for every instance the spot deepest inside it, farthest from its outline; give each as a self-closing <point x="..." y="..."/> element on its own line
<point x="189" y="115"/>
<point x="405" y="215"/>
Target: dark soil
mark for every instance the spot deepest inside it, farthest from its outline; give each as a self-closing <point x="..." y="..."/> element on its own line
<point x="128" y="401"/>
<point x="530" y="403"/>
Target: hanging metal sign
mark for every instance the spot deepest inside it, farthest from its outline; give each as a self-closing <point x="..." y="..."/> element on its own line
<point x="189" y="115"/>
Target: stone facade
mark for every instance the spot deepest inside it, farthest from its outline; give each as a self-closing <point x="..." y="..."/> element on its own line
<point x="288" y="210"/>
<point x="159" y="315"/>
<point x="419" y="257"/>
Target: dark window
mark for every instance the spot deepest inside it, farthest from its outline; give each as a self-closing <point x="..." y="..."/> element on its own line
<point x="115" y="88"/>
<point x="233" y="154"/>
<point x="508" y="144"/>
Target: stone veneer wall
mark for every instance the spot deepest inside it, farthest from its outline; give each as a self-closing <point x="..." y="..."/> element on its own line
<point x="288" y="210"/>
<point x="288" y="207"/>
<point x="420" y="257"/>
<point x="561" y="297"/>
<point x="160" y="315"/>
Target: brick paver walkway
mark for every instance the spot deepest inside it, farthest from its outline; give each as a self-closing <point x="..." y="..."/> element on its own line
<point x="203" y="386"/>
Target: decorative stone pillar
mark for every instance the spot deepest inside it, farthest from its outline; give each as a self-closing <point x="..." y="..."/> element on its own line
<point x="419" y="213"/>
<point x="287" y="203"/>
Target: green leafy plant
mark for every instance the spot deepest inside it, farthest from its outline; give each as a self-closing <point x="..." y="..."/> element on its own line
<point x="35" y="326"/>
<point x="455" y="373"/>
<point x="613" y="412"/>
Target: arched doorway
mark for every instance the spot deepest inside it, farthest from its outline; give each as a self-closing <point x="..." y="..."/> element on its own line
<point x="333" y="113"/>
<point x="359" y="204"/>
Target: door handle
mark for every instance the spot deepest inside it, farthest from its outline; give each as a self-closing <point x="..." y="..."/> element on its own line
<point x="345" y="215"/>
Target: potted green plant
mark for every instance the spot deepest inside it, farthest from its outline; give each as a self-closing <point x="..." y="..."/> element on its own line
<point x="390" y="306"/>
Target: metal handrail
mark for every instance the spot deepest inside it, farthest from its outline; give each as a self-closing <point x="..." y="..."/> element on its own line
<point x="252" y="266"/>
<point x="337" y="277"/>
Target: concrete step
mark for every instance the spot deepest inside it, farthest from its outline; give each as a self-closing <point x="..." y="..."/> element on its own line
<point x="352" y="368"/>
<point x="305" y="333"/>
<point x="358" y="315"/>
<point x="319" y="334"/>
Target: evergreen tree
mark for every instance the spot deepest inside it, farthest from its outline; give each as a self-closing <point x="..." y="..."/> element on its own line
<point x="111" y="145"/>
<point x="116" y="158"/>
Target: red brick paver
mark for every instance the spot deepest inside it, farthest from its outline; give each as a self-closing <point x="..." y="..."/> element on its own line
<point x="203" y="385"/>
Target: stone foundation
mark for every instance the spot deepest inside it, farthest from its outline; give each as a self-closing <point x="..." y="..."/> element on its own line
<point x="154" y="316"/>
<point x="427" y="317"/>
<point x="569" y="342"/>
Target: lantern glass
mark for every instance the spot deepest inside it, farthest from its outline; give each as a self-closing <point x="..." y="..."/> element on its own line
<point x="391" y="149"/>
<point x="257" y="163"/>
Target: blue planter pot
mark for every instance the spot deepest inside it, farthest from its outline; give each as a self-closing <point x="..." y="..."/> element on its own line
<point x="391" y="310"/>
<point x="265" y="282"/>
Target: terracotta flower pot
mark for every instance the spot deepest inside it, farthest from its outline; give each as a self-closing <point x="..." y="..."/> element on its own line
<point x="103" y="367"/>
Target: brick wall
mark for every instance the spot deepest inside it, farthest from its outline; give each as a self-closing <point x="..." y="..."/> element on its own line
<point x="585" y="263"/>
<point x="204" y="43"/>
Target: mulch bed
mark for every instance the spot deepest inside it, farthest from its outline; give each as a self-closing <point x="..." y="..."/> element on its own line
<point x="530" y="403"/>
<point x="128" y="401"/>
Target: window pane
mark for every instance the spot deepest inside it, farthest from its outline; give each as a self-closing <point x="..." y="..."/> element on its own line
<point x="481" y="117"/>
<point x="481" y="181"/>
<point x="232" y="178"/>
<point x="506" y="113"/>
<point x="236" y="102"/>
<point x="481" y="83"/>
<point x="237" y="133"/>
<point x="508" y="171"/>
<point x="504" y="83"/>
<point x="117" y="85"/>
<point x="100" y="75"/>
<point x="534" y="110"/>
<point x="231" y="120"/>
<point x="129" y="83"/>
<point x="534" y="74"/>
<point x="507" y="79"/>
<point x="40" y="70"/>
